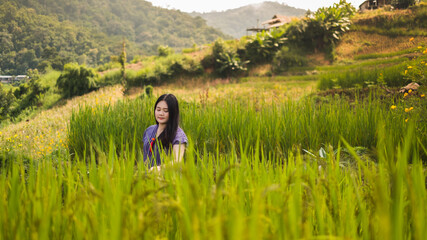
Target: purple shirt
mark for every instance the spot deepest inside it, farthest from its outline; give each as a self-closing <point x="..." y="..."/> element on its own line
<point x="149" y="134"/>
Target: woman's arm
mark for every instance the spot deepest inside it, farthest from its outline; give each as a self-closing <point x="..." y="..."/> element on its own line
<point x="178" y="152"/>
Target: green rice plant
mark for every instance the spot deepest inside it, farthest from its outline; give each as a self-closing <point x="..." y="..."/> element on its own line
<point x="360" y="64"/>
<point x="280" y="127"/>
<point x="383" y="55"/>
<point x="361" y="77"/>
<point x="214" y="195"/>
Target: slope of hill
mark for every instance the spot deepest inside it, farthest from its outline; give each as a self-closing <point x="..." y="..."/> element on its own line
<point x="235" y="21"/>
<point x="98" y="26"/>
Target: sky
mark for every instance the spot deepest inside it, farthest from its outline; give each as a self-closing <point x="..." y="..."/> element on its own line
<point x="222" y="5"/>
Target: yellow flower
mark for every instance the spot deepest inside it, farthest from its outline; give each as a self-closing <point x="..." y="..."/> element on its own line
<point x="0" y="133"/>
<point x="393" y="107"/>
<point x="27" y="136"/>
<point x="406" y="120"/>
<point x="419" y="47"/>
<point x="411" y="39"/>
<point x="406" y="71"/>
<point x="423" y="95"/>
<point x="409" y="109"/>
<point x="406" y="94"/>
<point x="410" y="90"/>
<point x="15" y="136"/>
<point x="409" y="67"/>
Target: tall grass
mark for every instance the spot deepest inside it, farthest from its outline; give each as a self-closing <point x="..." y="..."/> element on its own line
<point x="212" y="195"/>
<point x="361" y="77"/>
<point x="279" y="127"/>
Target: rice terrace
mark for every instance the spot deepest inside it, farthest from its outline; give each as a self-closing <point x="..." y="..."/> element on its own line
<point x="315" y="128"/>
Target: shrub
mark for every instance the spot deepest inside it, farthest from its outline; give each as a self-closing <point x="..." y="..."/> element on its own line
<point x="6" y="100"/>
<point x="149" y="90"/>
<point x="285" y="59"/>
<point x="323" y="28"/>
<point x="264" y="46"/>
<point x="416" y="69"/>
<point x="164" y="51"/>
<point x="76" y="80"/>
<point x="230" y="64"/>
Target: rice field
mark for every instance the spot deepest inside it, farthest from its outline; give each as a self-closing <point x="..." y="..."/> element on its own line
<point x="258" y="166"/>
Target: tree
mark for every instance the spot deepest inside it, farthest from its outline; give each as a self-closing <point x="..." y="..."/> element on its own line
<point x="402" y="4"/>
<point x="76" y="80"/>
<point x="122" y="61"/>
<point x="165" y="51"/>
<point x="6" y="100"/>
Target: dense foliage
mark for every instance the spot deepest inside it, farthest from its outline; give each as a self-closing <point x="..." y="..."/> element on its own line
<point x="224" y="60"/>
<point x="53" y="33"/>
<point x="322" y="29"/>
<point x="26" y="96"/>
<point x="6" y="100"/>
<point x="30" y="40"/>
<point x="262" y="47"/>
<point x="402" y="3"/>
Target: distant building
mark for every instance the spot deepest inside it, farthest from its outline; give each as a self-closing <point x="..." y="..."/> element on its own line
<point x="12" y="79"/>
<point x="275" y="22"/>
<point x="6" y="79"/>
<point x="373" y="4"/>
<point x="21" y="77"/>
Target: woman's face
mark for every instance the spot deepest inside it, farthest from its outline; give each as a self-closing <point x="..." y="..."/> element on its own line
<point x="162" y="112"/>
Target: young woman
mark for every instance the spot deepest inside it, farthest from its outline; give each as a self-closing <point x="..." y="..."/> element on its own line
<point x="166" y="133"/>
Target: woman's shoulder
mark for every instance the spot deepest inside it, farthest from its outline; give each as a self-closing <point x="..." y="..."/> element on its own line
<point x="180" y="137"/>
<point x="179" y="130"/>
<point x="150" y="129"/>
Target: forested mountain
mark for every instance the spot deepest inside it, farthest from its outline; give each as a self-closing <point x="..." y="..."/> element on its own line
<point x="235" y="21"/>
<point x="37" y="33"/>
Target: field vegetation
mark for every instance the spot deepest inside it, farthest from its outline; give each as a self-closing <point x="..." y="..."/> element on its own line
<point x="278" y="149"/>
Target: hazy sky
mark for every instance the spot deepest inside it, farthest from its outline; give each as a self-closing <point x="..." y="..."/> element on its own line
<point x="221" y="5"/>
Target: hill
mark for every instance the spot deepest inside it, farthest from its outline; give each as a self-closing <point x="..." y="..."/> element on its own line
<point x="235" y="21"/>
<point x="89" y="32"/>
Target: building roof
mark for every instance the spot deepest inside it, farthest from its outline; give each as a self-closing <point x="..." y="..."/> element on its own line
<point x="277" y="20"/>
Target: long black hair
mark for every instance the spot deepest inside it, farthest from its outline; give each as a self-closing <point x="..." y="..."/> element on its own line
<point x="167" y="136"/>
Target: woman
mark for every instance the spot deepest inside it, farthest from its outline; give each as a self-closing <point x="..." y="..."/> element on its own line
<point x="166" y="134"/>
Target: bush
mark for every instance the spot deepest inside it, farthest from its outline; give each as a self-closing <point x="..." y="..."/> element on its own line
<point x="264" y="45"/>
<point x="165" y="51"/>
<point x="285" y="59"/>
<point x="320" y="30"/>
<point x="76" y="80"/>
<point x="224" y="60"/>
<point x="149" y="90"/>
<point x="6" y="100"/>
